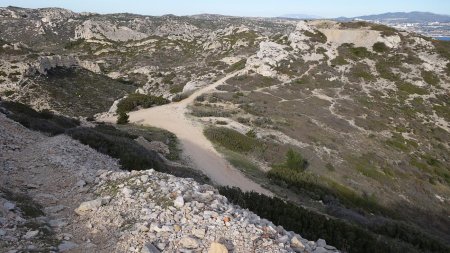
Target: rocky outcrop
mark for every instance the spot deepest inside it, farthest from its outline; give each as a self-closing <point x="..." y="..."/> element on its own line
<point x="46" y="63"/>
<point x="92" y="29"/>
<point x="267" y="58"/>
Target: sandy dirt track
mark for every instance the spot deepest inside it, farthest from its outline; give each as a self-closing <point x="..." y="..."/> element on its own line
<point x="195" y="145"/>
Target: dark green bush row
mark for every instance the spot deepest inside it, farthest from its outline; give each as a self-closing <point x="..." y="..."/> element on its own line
<point x="44" y="121"/>
<point x="210" y="112"/>
<point x="103" y="138"/>
<point x="344" y="236"/>
<point x="319" y="189"/>
<point x="114" y="143"/>
<point x="230" y="139"/>
<point x="135" y="100"/>
<point x="132" y="156"/>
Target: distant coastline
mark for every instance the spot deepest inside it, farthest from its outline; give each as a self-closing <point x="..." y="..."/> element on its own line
<point x="442" y="38"/>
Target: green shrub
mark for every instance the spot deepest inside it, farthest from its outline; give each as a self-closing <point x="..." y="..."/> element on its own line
<point x="230" y="139"/>
<point x="122" y="118"/>
<point x="8" y="93"/>
<point x="221" y="122"/>
<point x="180" y="97"/>
<point x="384" y="69"/>
<point x="295" y="161"/>
<point x="384" y="29"/>
<point x="135" y="100"/>
<point x="73" y="44"/>
<point x="411" y="89"/>
<point x="380" y="47"/>
<point x="430" y="77"/>
<point x="176" y="89"/>
<point x="339" y="61"/>
<point x="251" y="133"/>
<point x="237" y="66"/>
<point x="360" y="52"/>
<point x="168" y="79"/>
<point x="316" y="37"/>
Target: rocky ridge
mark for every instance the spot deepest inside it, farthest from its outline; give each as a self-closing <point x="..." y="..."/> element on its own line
<point x="58" y="195"/>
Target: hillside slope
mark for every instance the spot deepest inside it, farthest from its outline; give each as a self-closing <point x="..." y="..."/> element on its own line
<point x="59" y="195"/>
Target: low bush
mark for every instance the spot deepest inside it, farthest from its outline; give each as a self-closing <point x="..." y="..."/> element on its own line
<point x="295" y="161"/>
<point x="316" y="37"/>
<point x="122" y="119"/>
<point x="237" y="66"/>
<point x="180" y="96"/>
<point x="135" y="100"/>
<point x="380" y="47"/>
<point x="231" y="139"/>
<point x="430" y="78"/>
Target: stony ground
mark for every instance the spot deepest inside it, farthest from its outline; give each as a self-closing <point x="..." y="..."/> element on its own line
<point x="58" y="195"/>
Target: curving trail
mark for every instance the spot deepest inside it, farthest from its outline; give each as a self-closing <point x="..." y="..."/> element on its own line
<point x="195" y="145"/>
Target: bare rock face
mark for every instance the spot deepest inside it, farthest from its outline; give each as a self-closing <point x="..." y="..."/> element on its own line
<point x="46" y="63"/>
<point x="92" y="29"/>
<point x="268" y="57"/>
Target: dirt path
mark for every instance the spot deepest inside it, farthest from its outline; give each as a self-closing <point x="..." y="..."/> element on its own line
<point x="196" y="146"/>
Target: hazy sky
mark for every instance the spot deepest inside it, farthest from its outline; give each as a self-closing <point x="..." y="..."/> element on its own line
<point x="324" y="8"/>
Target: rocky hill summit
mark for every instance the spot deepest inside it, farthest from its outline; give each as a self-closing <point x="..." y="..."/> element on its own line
<point x="58" y="195"/>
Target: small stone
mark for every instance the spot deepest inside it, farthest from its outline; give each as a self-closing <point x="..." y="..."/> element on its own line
<point x="149" y="248"/>
<point x="144" y="178"/>
<point x="176" y="228"/>
<point x="9" y="206"/>
<point x="283" y="239"/>
<point x="2" y="232"/>
<point x="296" y="243"/>
<point x="31" y="234"/>
<point x="189" y="243"/>
<point x="320" y="250"/>
<point x="179" y="202"/>
<point x="199" y="233"/>
<point x="80" y="183"/>
<point x="217" y="248"/>
<point x="321" y="243"/>
<point x="59" y="223"/>
<point x="66" y="245"/>
<point x="89" y="206"/>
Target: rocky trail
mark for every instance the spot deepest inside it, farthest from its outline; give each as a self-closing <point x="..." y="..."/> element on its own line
<point x="196" y="147"/>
